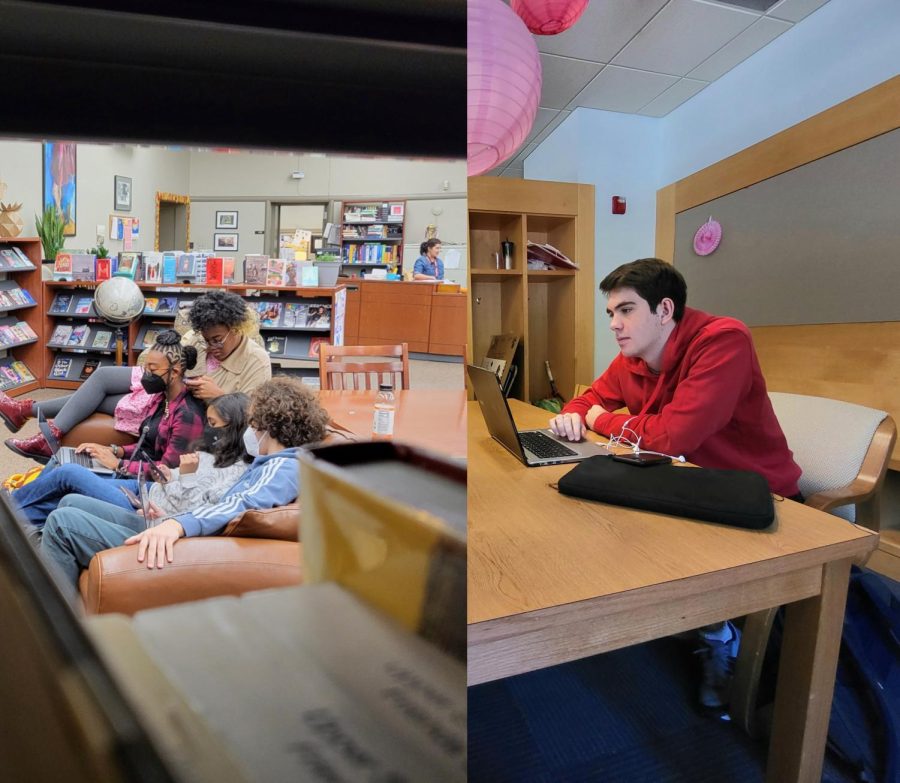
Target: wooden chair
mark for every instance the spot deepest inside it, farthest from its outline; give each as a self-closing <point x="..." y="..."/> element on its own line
<point x="844" y="451"/>
<point x="339" y="369"/>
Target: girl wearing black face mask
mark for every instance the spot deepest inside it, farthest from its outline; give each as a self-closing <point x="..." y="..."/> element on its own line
<point x="177" y="422"/>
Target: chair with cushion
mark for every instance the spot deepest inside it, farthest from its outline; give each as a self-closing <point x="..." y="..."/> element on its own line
<point x="363" y="366"/>
<point x="844" y="450"/>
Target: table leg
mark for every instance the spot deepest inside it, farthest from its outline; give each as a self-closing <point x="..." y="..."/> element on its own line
<point x="812" y="636"/>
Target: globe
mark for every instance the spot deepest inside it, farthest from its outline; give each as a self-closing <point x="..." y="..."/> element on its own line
<point x="118" y="300"/>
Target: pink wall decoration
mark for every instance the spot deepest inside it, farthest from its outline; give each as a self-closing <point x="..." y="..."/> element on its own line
<point x="549" y="17"/>
<point x="504" y="84"/>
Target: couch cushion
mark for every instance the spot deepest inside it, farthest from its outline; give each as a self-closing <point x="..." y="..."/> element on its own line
<point x="282" y="523"/>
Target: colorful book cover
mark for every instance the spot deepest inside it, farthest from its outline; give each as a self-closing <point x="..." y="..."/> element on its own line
<point x="290" y="273"/>
<point x="63" y="264"/>
<point x="29" y="299"/>
<point x="275" y="273"/>
<point x="228" y="269"/>
<point x="152" y="267"/>
<point x="61" y="367"/>
<point x="314" y="344"/>
<point x="269" y="313"/>
<point x="79" y="335"/>
<point x="276" y="345"/>
<point x="309" y="275"/>
<point x="128" y="264"/>
<point x="22" y="369"/>
<point x="6" y="336"/>
<point x="83" y="266"/>
<point x="89" y="366"/>
<point x="102" y="339"/>
<point x="167" y="304"/>
<point x="10" y="374"/>
<point x="61" y="334"/>
<point x="215" y="270"/>
<point x="255" y="268"/>
<point x="294" y="315"/>
<point x="84" y="305"/>
<point x="103" y="269"/>
<point x="16" y="295"/>
<point x="8" y="259"/>
<point x="6" y="301"/>
<point x="61" y="303"/>
<point x="30" y="334"/>
<point x="185" y="266"/>
<point x="150" y="304"/>
<point x="319" y="316"/>
<point x="168" y="268"/>
<point x="25" y="261"/>
<point x="19" y="334"/>
<point x="150" y="337"/>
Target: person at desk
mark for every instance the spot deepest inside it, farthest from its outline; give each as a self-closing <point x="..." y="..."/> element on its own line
<point x="692" y="385"/>
<point x="428" y="266"/>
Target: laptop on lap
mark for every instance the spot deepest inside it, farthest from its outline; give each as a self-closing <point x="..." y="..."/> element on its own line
<point x="65" y="455"/>
<point x="534" y="448"/>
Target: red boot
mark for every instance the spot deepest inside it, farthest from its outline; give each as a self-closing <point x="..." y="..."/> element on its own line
<point x="35" y="447"/>
<point x="14" y="412"/>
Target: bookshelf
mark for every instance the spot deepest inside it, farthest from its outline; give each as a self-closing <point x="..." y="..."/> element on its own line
<point x="21" y="363"/>
<point x="552" y="312"/>
<point x="371" y="235"/>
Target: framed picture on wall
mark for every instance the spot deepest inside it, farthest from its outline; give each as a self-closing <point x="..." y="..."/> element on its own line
<point x="227" y="220"/>
<point x="59" y="181"/>
<point x="226" y="242"/>
<point x="122" y="186"/>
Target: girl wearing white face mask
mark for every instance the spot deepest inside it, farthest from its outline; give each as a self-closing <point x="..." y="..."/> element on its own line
<point x="284" y="415"/>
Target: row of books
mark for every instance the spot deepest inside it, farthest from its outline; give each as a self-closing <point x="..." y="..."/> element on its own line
<point x="13" y="334"/>
<point x="371" y="231"/>
<point x="370" y="253"/>
<point x="11" y="298"/>
<point x="278" y="345"/>
<point x="278" y="272"/>
<point x="291" y="315"/>
<point x="62" y="303"/>
<point x="146" y="267"/>
<point x="63" y="366"/>
<point x="80" y="336"/>
<point x="14" y="258"/>
<point x="374" y="213"/>
<point x="14" y="374"/>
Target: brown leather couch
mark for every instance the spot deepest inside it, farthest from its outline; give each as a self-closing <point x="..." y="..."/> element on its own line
<point x="258" y="550"/>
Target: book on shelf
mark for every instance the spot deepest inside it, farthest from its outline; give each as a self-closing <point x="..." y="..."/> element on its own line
<point x="62" y="266"/>
<point x="169" y="273"/>
<point x="276" y="345"/>
<point x="6" y="301"/>
<point x="150" y="337"/>
<point x="167" y="304"/>
<point x="275" y="272"/>
<point x="228" y="269"/>
<point x="129" y="265"/>
<point x="152" y="267"/>
<point x="17" y="295"/>
<point x="255" y="269"/>
<point x="309" y="275"/>
<point x="61" y="334"/>
<point x="294" y="315"/>
<point x="269" y="313"/>
<point x="314" y="344"/>
<point x="83" y="266"/>
<point x="61" y="367"/>
<point x="19" y="334"/>
<point x="102" y="339"/>
<point x="88" y="369"/>
<point x="150" y="304"/>
<point x="22" y="369"/>
<point x="24" y="260"/>
<point x="215" y="270"/>
<point x="200" y="267"/>
<point x="83" y="307"/>
<point x="318" y="316"/>
<point x="6" y="335"/>
<point x="29" y="299"/>
<point x="61" y="303"/>
<point x="79" y="335"/>
<point x="290" y="273"/>
<point x="30" y="334"/>
<point x="8" y="259"/>
<point x="103" y="269"/>
<point x="11" y="377"/>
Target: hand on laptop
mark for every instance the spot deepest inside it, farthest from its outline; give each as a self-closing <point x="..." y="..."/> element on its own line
<point x="103" y="454"/>
<point x="568" y="426"/>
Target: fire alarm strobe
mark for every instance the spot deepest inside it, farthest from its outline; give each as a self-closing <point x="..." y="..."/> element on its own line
<point x="618" y="205"/>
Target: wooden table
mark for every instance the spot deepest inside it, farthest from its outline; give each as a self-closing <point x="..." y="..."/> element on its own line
<point x="433" y="419"/>
<point x="553" y="579"/>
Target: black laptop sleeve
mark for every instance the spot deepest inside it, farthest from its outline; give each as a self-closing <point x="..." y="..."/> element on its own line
<point x="739" y="498"/>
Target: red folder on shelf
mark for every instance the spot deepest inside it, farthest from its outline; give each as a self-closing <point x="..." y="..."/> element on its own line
<point x="549" y="255"/>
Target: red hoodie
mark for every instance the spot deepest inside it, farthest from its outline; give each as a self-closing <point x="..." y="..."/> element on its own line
<point x="708" y="402"/>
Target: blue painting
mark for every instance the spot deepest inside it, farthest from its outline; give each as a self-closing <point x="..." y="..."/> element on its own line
<point x="59" y="181"/>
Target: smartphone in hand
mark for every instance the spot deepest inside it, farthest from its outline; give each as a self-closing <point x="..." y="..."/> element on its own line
<point x="132" y="498"/>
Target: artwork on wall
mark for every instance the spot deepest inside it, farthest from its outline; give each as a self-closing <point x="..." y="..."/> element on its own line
<point x="59" y="181"/>
<point x="122" y="192"/>
<point x="227" y="242"/>
<point x="226" y="219"/>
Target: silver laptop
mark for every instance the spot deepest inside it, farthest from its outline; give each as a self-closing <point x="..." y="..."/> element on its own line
<point x="532" y="447"/>
<point x="65" y="455"/>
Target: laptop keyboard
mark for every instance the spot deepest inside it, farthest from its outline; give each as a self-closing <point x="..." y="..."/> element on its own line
<point x="75" y="458"/>
<point x="544" y="446"/>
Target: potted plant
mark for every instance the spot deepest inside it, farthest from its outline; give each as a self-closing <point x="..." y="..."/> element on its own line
<point x="50" y="229"/>
<point x="329" y="266"/>
<point x="100" y="251"/>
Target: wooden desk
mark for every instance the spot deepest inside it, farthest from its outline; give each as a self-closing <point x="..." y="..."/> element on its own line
<point x="433" y="419"/>
<point x="552" y="579"/>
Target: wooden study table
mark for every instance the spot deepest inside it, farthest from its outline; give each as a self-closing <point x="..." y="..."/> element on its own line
<point x="433" y="419"/>
<point x="553" y="579"/>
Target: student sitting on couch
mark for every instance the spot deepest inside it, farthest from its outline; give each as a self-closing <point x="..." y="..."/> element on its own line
<point x="284" y="415"/>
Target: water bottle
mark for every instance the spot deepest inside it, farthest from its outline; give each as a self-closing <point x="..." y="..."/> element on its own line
<point x="383" y="422"/>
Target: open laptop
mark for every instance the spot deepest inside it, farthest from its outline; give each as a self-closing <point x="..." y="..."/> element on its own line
<point x="65" y="455"/>
<point x="532" y="447"/>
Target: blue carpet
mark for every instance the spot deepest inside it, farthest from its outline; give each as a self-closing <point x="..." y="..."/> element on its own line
<point x="623" y="717"/>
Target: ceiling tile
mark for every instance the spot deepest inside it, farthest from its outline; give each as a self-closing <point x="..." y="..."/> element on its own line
<point x="677" y="94"/>
<point x="604" y="28"/>
<point x="563" y="78"/>
<point x="739" y="49"/>
<point x="623" y="89"/>
<point x="543" y="117"/>
<point x="795" y="10"/>
<point x="551" y="126"/>
<point x="683" y="35"/>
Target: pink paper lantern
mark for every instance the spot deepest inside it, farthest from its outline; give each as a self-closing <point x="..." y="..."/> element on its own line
<point x="549" y="17"/>
<point x="504" y="84"/>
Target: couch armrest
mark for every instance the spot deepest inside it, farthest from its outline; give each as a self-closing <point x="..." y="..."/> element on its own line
<point x="96" y="428"/>
<point x="203" y="568"/>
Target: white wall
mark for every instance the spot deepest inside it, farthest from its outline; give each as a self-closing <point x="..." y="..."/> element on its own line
<point x="251" y="218"/>
<point x="844" y="48"/>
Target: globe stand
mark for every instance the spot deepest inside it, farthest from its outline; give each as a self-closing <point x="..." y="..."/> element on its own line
<point x="120" y="346"/>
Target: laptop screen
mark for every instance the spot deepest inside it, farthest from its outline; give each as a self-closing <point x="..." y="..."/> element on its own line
<point x="44" y="427"/>
<point x="494" y="408"/>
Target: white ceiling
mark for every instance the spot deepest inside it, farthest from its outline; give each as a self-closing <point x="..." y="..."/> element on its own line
<point x="648" y="56"/>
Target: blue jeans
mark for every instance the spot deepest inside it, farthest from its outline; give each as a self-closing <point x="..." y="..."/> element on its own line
<point x="83" y="526"/>
<point x="41" y="496"/>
